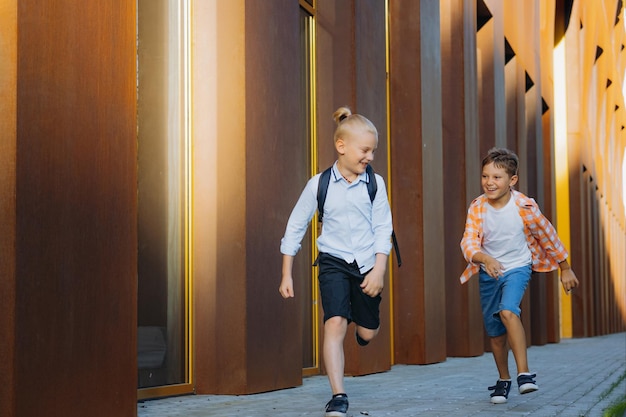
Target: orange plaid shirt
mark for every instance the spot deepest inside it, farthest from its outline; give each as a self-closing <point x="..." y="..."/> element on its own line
<point x="545" y="246"/>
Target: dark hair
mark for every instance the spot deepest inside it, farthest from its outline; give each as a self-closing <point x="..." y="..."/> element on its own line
<point x="502" y="158"/>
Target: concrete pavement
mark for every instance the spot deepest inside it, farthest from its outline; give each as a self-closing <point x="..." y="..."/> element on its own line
<point x="576" y="377"/>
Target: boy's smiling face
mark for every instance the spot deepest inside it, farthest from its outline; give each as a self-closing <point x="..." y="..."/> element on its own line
<point x="497" y="185"/>
<point x="356" y="151"/>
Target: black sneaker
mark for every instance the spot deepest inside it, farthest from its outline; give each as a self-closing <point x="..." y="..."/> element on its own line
<point x="337" y="406"/>
<point x="500" y="392"/>
<point x="360" y="340"/>
<point x="526" y="383"/>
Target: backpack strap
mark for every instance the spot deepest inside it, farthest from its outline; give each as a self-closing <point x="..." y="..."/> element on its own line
<point x="396" y="248"/>
<point x="372" y="187"/>
<point x="322" y="190"/>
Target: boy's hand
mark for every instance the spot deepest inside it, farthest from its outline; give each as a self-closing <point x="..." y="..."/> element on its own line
<point x="568" y="280"/>
<point x="286" y="286"/>
<point x="492" y="267"/>
<point x="286" y="283"/>
<point x="373" y="282"/>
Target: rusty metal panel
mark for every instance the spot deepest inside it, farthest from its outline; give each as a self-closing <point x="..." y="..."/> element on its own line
<point x="464" y="333"/>
<point x="76" y="191"/>
<point x="416" y="152"/>
<point x="276" y="171"/>
<point x="8" y="145"/>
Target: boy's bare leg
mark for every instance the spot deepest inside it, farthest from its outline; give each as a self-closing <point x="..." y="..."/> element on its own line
<point x="334" y="332"/>
<point x="500" y="351"/>
<point x="516" y="338"/>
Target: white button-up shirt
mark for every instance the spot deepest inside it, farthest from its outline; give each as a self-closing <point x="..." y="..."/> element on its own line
<point x="353" y="228"/>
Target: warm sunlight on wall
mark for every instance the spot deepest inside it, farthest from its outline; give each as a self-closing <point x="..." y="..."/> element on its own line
<point x="561" y="172"/>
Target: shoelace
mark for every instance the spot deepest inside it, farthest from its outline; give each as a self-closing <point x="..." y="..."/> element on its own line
<point x="499" y="388"/>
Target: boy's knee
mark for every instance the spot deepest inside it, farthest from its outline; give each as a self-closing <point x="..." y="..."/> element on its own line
<point x="336" y="322"/>
<point x="507" y="315"/>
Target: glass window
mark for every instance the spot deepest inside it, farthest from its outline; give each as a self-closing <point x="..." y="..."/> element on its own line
<point x="163" y="199"/>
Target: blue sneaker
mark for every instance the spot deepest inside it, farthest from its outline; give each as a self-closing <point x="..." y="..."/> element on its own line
<point x="526" y="383"/>
<point x="500" y="392"/>
<point x="337" y="406"/>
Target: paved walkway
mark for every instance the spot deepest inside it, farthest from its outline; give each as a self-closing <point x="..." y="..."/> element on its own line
<point x="576" y="377"/>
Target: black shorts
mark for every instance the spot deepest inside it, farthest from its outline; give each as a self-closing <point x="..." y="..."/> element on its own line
<point x="342" y="295"/>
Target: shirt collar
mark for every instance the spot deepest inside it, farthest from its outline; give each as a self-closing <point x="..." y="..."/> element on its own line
<point x="337" y="175"/>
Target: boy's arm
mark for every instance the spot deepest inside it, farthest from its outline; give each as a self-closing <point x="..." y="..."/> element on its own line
<point x="545" y="234"/>
<point x="296" y="227"/>
<point x="300" y="218"/>
<point x="381" y="219"/>
<point x="286" y="283"/>
<point x="492" y="266"/>
<point x="568" y="278"/>
<point x="471" y="241"/>
<point x="374" y="281"/>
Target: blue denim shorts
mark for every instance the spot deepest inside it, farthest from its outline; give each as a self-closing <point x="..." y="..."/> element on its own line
<point x="504" y="293"/>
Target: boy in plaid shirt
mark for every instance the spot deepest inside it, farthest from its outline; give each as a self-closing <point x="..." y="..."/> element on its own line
<point x="506" y="238"/>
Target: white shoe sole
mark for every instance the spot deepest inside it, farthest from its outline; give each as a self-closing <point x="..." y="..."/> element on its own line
<point x="498" y="399"/>
<point x="526" y="388"/>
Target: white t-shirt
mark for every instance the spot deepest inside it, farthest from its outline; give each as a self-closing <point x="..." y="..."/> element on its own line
<point x="504" y="238"/>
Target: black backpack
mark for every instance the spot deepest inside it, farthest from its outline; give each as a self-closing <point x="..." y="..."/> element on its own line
<point x="372" y="187"/>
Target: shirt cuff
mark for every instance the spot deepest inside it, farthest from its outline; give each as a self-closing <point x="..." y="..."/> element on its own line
<point x="287" y="249"/>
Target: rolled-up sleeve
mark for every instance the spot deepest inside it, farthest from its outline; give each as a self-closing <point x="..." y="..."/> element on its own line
<point x="546" y="247"/>
<point x="381" y="219"/>
<point x="300" y="218"/>
<point x="471" y="241"/>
